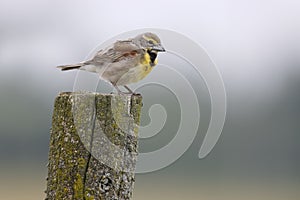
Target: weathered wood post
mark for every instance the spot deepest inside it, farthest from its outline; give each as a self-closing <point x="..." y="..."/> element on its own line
<point x="93" y="146"/>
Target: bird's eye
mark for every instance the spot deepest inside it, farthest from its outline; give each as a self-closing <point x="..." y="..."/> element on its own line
<point x="151" y="42"/>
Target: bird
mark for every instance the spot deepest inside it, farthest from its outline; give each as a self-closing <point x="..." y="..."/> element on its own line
<point x="124" y="62"/>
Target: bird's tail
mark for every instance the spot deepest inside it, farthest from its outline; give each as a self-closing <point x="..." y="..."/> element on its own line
<point x="70" y="67"/>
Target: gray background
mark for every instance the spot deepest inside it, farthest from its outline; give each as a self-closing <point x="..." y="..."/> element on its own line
<point x="255" y="45"/>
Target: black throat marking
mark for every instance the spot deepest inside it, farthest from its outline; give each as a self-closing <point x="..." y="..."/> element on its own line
<point x="152" y="55"/>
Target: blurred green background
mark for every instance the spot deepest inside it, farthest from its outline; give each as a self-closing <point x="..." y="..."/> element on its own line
<point x="255" y="45"/>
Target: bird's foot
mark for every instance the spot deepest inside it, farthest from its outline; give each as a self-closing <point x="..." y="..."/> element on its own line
<point x="130" y="92"/>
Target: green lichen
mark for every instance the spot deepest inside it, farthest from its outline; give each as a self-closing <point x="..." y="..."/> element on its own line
<point x="88" y="196"/>
<point x="81" y="162"/>
<point x="78" y="187"/>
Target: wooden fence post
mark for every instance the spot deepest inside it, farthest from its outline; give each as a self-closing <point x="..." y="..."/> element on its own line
<point x="93" y="146"/>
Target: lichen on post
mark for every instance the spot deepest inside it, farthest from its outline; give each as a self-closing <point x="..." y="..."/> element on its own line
<point x="93" y="146"/>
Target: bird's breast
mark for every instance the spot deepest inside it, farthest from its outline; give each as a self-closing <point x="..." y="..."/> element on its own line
<point x="140" y="70"/>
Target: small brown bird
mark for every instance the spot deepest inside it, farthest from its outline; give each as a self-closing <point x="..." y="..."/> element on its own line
<point x="125" y="62"/>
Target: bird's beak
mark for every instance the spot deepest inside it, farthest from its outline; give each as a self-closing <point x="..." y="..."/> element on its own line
<point x="158" y="47"/>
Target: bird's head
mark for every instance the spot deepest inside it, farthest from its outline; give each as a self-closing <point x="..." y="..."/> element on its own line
<point x="149" y="41"/>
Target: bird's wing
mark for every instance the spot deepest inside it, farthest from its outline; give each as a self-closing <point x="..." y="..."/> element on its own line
<point x="120" y="50"/>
